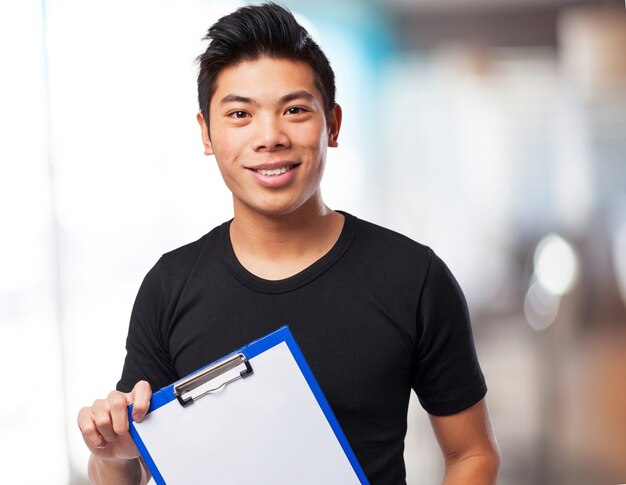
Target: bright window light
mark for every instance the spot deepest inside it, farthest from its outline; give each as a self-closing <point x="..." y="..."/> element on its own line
<point x="556" y="264"/>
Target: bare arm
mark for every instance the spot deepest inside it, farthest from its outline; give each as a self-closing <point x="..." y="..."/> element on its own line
<point x="104" y="426"/>
<point x="468" y="445"/>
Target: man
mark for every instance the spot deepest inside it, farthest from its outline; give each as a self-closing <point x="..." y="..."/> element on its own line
<point x="375" y="313"/>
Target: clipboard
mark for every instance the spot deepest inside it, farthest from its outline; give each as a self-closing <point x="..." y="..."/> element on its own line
<point x="256" y="416"/>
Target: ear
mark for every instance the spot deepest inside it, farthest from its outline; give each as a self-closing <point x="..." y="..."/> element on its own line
<point x="206" y="139"/>
<point x="334" y="125"/>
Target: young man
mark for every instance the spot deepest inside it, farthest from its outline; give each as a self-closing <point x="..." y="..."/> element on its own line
<point x="397" y="318"/>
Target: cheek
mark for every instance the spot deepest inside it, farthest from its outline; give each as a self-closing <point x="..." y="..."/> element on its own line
<point x="315" y="139"/>
<point x="226" y="145"/>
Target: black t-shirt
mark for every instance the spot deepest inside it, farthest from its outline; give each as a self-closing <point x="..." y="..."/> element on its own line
<point x="379" y="314"/>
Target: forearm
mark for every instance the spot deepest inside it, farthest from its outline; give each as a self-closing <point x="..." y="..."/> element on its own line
<point x="118" y="472"/>
<point x="478" y="469"/>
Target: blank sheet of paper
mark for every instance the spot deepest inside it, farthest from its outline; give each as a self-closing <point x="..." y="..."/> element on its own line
<point x="265" y="429"/>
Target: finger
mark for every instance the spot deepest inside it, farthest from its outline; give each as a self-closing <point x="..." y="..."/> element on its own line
<point x="101" y="415"/>
<point x="141" y="395"/>
<point x="87" y="427"/>
<point x="119" y="412"/>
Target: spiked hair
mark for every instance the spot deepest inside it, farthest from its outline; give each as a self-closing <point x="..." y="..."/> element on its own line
<point x="251" y="32"/>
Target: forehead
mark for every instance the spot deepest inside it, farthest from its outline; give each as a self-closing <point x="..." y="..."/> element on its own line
<point x="265" y="77"/>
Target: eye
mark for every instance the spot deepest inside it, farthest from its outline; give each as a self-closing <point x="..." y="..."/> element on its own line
<point x="295" y="110"/>
<point x="239" y="114"/>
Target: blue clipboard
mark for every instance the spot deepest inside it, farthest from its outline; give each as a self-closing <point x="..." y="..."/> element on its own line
<point x="256" y="416"/>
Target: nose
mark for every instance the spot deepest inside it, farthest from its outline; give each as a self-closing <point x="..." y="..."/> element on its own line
<point x="270" y="135"/>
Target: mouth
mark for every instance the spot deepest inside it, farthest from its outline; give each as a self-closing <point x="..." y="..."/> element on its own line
<point x="271" y="170"/>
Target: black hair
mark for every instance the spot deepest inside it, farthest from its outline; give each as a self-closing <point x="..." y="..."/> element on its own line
<point x="251" y="32"/>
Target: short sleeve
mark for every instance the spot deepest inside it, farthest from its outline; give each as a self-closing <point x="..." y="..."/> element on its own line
<point x="447" y="377"/>
<point x="146" y="354"/>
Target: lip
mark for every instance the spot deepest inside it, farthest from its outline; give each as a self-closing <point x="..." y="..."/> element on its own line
<point x="274" y="181"/>
<point x="273" y="165"/>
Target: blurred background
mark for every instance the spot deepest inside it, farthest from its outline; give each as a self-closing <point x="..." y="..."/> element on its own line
<point x="492" y="130"/>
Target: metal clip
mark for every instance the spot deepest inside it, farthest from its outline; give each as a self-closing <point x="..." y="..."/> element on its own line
<point x="193" y="382"/>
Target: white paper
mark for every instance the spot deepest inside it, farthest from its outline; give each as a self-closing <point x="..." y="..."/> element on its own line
<point x="264" y="429"/>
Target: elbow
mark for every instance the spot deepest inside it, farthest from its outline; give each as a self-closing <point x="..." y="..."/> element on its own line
<point x="479" y="467"/>
<point x="493" y="459"/>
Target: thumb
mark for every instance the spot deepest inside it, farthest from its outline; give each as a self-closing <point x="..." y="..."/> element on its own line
<point x="139" y="397"/>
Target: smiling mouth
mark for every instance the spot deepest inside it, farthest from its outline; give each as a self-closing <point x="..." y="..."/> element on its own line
<point x="275" y="171"/>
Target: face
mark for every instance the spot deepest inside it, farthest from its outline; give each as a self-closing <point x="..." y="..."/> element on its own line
<point x="269" y="134"/>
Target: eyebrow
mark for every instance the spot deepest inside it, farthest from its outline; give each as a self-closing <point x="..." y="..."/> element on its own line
<point x="236" y="98"/>
<point x="297" y="95"/>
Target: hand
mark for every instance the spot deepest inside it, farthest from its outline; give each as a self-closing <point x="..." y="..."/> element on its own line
<point x="104" y="425"/>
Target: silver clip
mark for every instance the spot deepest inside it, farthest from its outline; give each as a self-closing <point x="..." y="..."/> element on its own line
<point x="183" y="388"/>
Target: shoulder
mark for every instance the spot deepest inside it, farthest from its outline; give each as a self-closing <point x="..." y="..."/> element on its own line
<point x="383" y="234"/>
<point x="177" y="264"/>
<point x="390" y="246"/>
<point x="389" y="253"/>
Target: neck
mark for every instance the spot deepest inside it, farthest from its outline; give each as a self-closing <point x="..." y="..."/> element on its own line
<point x="278" y="246"/>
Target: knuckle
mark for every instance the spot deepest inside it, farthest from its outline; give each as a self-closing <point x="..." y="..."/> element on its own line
<point x="115" y="396"/>
<point x="120" y="428"/>
<point x="102" y="420"/>
<point x="117" y="402"/>
<point x="98" y="404"/>
<point x="82" y="415"/>
<point x="88" y="428"/>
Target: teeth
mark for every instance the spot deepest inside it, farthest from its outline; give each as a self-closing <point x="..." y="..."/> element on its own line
<point x="276" y="171"/>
